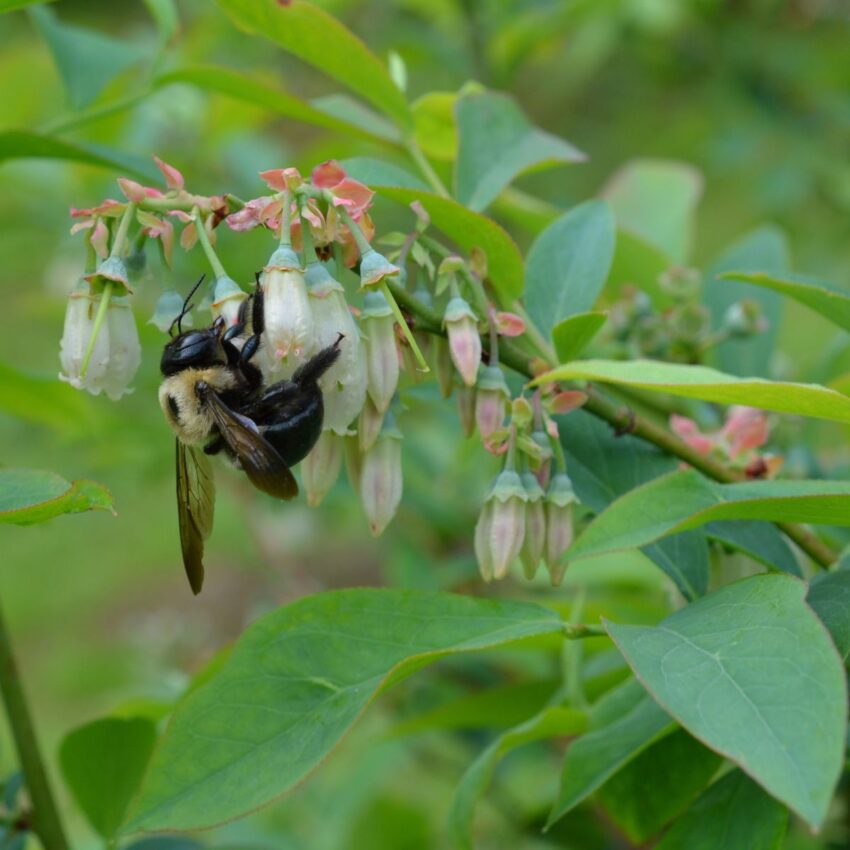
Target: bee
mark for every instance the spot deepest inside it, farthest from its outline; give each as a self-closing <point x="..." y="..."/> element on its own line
<point x="216" y="400"/>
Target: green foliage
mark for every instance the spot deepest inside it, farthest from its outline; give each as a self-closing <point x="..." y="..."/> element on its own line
<point x="572" y="335"/>
<point x="295" y="683"/>
<point x="103" y="763"/>
<point x="718" y="666"/>
<point x="29" y="496"/>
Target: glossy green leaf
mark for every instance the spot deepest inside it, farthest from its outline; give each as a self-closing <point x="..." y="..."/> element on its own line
<point x="553" y="721"/>
<point x="622" y="725"/>
<point x="572" y="335"/>
<point x="765" y="249"/>
<point x="829" y="300"/>
<point x="29" y="496"/>
<point x="604" y="466"/>
<point x="13" y="5"/>
<point x="22" y="144"/>
<point x="295" y="683"/>
<point x="435" y="130"/>
<point x="735" y="814"/>
<point x="312" y="34"/>
<point x="685" y="499"/>
<point x="379" y="172"/>
<point x="658" y="785"/>
<point x="829" y="598"/>
<point x="762" y="541"/>
<point x="164" y="13"/>
<point x="568" y="264"/>
<point x="656" y="199"/>
<point x="86" y="59"/>
<point x="166" y="842"/>
<point x="102" y="763"/>
<point x="751" y="672"/>
<point x="469" y="230"/>
<point x="709" y="385"/>
<point x="215" y="78"/>
<point x="497" y="143"/>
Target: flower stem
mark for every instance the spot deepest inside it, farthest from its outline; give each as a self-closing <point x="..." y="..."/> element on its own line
<point x="427" y="169"/>
<point x="46" y="822"/>
<point x="310" y="255"/>
<point x="117" y="249"/>
<point x="204" y="239"/>
<point x="405" y="328"/>
<point x="360" y="239"/>
<point x="102" y="307"/>
<point x="286" y="219"/>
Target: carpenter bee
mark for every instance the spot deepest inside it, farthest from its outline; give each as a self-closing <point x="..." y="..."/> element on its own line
<point x="216" y="400"/>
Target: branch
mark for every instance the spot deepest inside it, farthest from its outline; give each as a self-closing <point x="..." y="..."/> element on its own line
<point x="622" y="419"/>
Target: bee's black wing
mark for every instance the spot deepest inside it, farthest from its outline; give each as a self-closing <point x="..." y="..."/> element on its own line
<point x="195" y="508"/>
<point x="262" y="464"/>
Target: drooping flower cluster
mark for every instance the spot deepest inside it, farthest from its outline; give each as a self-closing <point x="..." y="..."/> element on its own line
<point x="324" y="232"/>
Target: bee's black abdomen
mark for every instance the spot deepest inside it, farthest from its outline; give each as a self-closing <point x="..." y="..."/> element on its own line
<point x="295" y="436"/>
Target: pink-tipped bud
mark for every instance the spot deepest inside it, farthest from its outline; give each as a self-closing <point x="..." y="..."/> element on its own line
<point x="381" y="478"/>
<point x="491" y="401"/>
<point x="443" y="366"/>
<point x="344" y="384"/>
<point x="320" y="469"/>
<point x="534" y="542"/>
<point x="378" y="325"/>
<point x="368" y="425"/>
<point x="560" y="499"/>
<point x="289" y="337"/>
<point x="464" y="340"/>
<point x="227" y="298"/>
<point x="507" y="530"/>
<point x="466" y="409"/>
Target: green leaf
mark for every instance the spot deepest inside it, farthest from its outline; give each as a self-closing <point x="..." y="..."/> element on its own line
<point x="22" y="144"/>
<point x="380" y="172"/>
<point x="553" y="721"/>
<point x="103" y="763"/>
<point x="87" y="60"/>
<point x="825" y="298"/>
<point x="659" y="784"/>
<point x="572" y="335"/>
<point x="312" y="34"/>
<point x="14" y="5"/>
<point x="656" y="199"/>
<point x="751" y="672"/>
<point x="709" y="385"/>
<point x="762" y="541"/>
<point x="829" y="598"/>
<point x="164" y="13"/>
<point x="622" y="725"/>
<point x="604" y="466"/>
<point x="29" y="496"/>
<point x="434" y="124"/>
<point x="469" y="230"/>
<point x="214" y="78"/>
<point x="735" y="814"/>
<point x="685" y="499"/>
<point x="165" y="842"/>
<point x="638" y="263"/>
<point x="568" y="264"/>
<point x="497" y="143"/>
<point x="295" y="683"/>
<point x="765" y="249"/>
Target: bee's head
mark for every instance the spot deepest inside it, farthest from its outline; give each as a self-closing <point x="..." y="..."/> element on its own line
<point x="194" y="349"/>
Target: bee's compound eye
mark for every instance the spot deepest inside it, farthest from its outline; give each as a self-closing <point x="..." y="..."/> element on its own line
<point x="172" y="406"/>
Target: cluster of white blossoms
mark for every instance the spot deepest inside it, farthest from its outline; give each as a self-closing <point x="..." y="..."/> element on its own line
<point x="323" y="230"/>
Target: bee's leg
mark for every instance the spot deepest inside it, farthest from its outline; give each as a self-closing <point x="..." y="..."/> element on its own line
<point x="308" y="374"/>
<point x="258" y="323"/>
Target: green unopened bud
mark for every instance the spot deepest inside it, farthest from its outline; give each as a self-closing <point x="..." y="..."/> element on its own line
<point x="464" y="341"/>
<point x="491" y="401"/>
<point x="321" y="468"/>
<point x="534" y="542"/>
<point x="560" y="499"/>
<point x="689" y="323"/>
<point x="381" y="478"/>
<point x="681" y="283"/>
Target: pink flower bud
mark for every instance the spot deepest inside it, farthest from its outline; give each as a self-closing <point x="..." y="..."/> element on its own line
<point x="491" y="401"/>
<point x="381" y="478"/>
<point x="746" y="428"/>
<point x="688" y="431"/>
<point x="466" y="406"/>
<point x="559" y="502"/>
<point x="534" y="542"/>
<point x="132" y="190"/>
<point x="289" y="333"/>
<point x="464" y="340"/>
<point x="507" y="530"/>
<point x="382" y="369"/>
<point x="509" y="324"/>
<point x="227" y="298"/>
<point x="320" y="469"/>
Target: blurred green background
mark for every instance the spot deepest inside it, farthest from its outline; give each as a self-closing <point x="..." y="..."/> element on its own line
<point x="754" y="93"/>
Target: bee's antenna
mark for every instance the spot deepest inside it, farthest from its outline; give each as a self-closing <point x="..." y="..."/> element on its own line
<point x="185" y="308"/>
